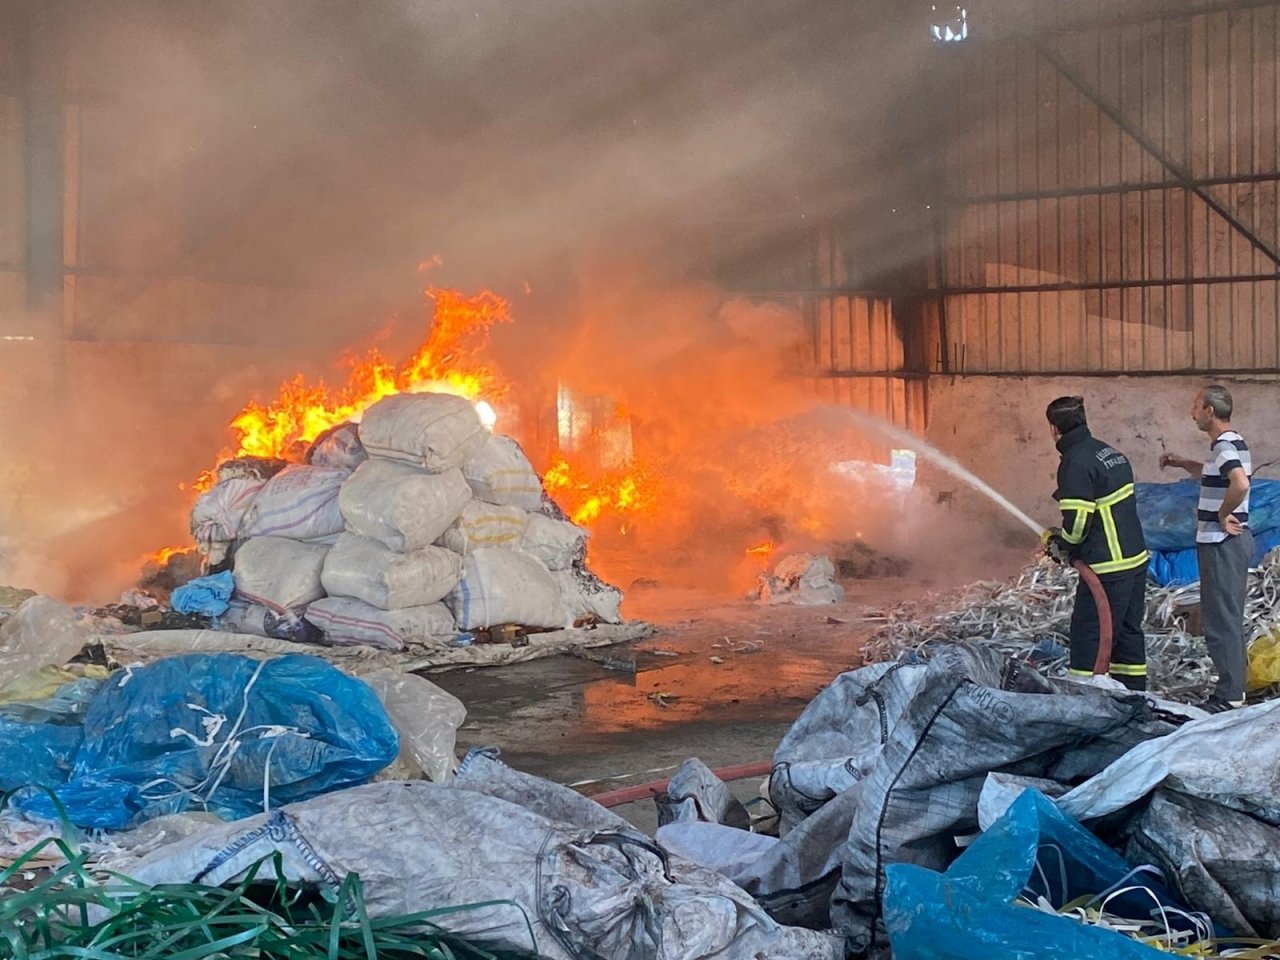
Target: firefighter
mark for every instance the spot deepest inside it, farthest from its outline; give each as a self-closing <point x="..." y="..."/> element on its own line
<point x="1100" y="526"/>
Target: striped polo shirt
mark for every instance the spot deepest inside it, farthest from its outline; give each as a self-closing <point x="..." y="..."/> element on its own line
<point x="1225" y="454"/>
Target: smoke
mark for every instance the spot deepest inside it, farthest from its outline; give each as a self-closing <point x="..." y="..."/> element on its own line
<point x="255" y="182"/>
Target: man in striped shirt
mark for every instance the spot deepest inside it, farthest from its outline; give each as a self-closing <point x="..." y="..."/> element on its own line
<point x="1224" y="545"/>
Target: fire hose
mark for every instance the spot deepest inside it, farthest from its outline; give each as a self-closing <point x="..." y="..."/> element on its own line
<point x="1055" y="549"/>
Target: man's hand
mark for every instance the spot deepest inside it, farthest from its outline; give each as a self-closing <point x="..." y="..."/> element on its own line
<point x="1055" y="548"/>
<point x="1232" y="525"/>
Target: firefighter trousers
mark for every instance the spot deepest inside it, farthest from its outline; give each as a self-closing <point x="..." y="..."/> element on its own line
<point x="1127" y="596"/>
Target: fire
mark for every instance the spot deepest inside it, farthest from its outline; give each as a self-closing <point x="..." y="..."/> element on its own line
<point x="447" y="362"/>
<point x="630" y="490"/>
<point x="162" y="556"/>
<point x="763" y="550"/>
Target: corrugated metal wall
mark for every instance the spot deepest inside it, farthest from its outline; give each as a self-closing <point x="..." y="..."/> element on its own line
<point x="1113" y="195"/>
<point x="856" y="351"/>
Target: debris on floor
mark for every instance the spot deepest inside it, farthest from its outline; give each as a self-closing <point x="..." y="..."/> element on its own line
<point x="800" y="578"/>
<point x="1029" y="620"/>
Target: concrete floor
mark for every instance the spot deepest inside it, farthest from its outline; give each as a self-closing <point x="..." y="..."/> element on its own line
<point x="572" y="720"/>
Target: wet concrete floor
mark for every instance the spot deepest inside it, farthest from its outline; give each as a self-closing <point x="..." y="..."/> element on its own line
<point x="722" y="681"/>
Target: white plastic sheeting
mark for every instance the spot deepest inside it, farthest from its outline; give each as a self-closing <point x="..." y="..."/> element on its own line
<point x="42" y="632"/>
<point x="426" y="717"/>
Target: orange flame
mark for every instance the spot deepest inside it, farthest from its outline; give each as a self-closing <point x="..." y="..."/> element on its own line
<point x="447" y="362"/>
<point x="763" y="550"/>
<point x="627" y="491"/>
<point x="162" y="556"/>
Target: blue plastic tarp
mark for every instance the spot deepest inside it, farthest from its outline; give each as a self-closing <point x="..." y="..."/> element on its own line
<point x="207" y="596"/>
<point x="1168" y="512"/>
<point x="969" y="913"/>
<point x="214" y="732"/>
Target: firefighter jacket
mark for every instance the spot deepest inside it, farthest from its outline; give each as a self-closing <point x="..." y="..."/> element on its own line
<point x="1099" y="510"/>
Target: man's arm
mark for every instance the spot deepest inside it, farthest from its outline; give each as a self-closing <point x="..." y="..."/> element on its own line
<point x="1075" y="498"/>
<point x="1192" y="467"/>
<point x="1237" y="490"/>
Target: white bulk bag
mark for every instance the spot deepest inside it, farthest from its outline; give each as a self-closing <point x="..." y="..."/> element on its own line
<point x="218" y="516"/>
<point x="299" y="502"/>
<point x="368" y="570"/>
<point x="501" y="586"/>
<point x="435" y="431"/>
<point x="500" y="473"/>
<point x="484" y="525"/>
<point x="279" y="573"/>
<point x="346" y="622"/>
<point x="587" y="597"/>
<point x="557" y="543"/>
<point x="400" y="505"/>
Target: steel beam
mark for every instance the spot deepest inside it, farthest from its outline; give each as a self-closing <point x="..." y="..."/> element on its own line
<point x="1111" y="188"/>
<point x="1180" y="174"/>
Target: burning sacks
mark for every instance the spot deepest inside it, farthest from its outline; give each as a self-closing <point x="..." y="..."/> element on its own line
<point x="416" y="505"/>
<point x="800" y="578"/>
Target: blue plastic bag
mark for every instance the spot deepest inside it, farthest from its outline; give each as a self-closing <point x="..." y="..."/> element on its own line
<point x="36" y="754"/>
<point x="968" y="912"/>
<point x="207" y="596"/>
<point x="221" y="732"/>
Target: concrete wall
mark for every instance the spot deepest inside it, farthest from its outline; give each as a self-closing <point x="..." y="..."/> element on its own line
<point x="995" y="426"/>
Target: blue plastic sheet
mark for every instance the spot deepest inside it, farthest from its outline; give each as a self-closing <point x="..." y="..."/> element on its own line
<point x="1168" y="512"/>
<point x="207" y="596"/>
<point x="36" y="753"/>
<point x="215" y="732"/>
<point x="968" y="912"/>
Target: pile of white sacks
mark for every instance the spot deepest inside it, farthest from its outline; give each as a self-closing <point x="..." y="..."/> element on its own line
<point x="415" y="526"/>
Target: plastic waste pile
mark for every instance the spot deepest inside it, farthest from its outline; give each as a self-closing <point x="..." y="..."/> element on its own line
<point x="1029" y="620"/>
<point x="967" y="807"/>
<point x="415" y="526"/>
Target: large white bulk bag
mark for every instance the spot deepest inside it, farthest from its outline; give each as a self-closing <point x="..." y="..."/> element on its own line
<point x="482" y="525"/>
<point x="506" y="586"/>
<point x="557" y="543"/>
<point x="218" y="516"/>
<point x="400" y="505"/>
<point x="500" y="473"/>
<point x="347" y="622"/>
<point x="369" y="570"/>
<point x="587" y="597"/>
<point x="279" y="573"/>
<point x="299" y="502"/>
<point x="435" y="431"/>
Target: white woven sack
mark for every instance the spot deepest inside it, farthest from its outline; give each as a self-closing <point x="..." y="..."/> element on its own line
<point x="500" y="473"/>
<point x="482" y="525"/>
<point x="435" y="431"/>
<point x="400" y="505"/>
<point x="347" y="622"/>
<point x="369" y="570"/>
<point x="557" y="543"/>
<point x="278" y="573"/>
<point x="299" y="502"/>
<point x="502" y="586"/>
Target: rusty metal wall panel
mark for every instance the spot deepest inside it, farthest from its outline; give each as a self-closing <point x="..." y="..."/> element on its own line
<point x="1115" y="197"/>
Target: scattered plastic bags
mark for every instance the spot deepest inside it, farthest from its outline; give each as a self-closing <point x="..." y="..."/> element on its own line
<point x="500" y="473"/>
<point x="206" y="596"/>
<point x="223" y="733"/>
<point x="402" y="506"/>
<point x="434" y="431"/>
<point x="1264" y="661"/>
<point x="346" y="622"/>
<point x="506" y="586"/>
<point x="368" y="570"/>
<point x="42" y="632"/>
<point x="426" y="718"/>
<point x="279" y="573"/>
